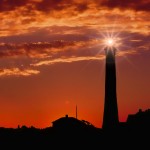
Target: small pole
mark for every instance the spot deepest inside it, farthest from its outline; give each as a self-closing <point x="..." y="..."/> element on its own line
<point x="76" y="112"/>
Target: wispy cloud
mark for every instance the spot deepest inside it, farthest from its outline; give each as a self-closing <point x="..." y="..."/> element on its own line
<point x="79" y="58"/>
<point x="18" y="72"/>
<point x="67" y="60"/>
<point x="128" y="52"/>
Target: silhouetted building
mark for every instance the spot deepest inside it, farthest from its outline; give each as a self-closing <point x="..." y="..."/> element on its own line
<point x="141" y="119"/>
<point x="70" y="123"/>
<point x="110" y="116"/>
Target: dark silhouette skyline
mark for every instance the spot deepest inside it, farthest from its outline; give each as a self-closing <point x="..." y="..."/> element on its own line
<point x="110" y="116"/>
<point x="69" y="133"/>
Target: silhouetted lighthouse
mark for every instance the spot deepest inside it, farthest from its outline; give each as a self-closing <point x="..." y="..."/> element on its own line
<point x="110" y="116"/>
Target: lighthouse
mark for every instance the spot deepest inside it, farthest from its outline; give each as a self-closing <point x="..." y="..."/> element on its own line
<point x="110" y="115"/>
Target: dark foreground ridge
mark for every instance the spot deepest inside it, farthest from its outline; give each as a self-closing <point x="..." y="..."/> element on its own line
<point x="71" y="133"/>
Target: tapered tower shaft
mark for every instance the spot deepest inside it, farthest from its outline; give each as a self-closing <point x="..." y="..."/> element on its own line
<point x="110" y="116"/>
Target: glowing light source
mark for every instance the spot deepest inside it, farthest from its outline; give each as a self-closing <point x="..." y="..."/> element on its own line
<point x="110" y="42"/>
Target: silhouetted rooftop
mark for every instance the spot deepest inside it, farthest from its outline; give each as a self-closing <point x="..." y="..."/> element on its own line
<point x="70" y="122"/>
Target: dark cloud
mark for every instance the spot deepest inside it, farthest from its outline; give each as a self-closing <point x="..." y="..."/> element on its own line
<point x="48" y="49"/>
<point x="45" y="5"/>
<point x="58" y="5"/>
<point x="81" y="5"/>
<point x="39" y="49"/>
<point x="143" y="5"/>
<point x="8" y="5"/>
<point x="49" y="5"/>
<point x="76" y="5"/>
<point x="55" y="49"/>
<point x="62" y="48"/>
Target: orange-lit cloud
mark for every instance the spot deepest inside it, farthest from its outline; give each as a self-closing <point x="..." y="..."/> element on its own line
<point x="97" y="14"/>
<point x="18" y="72"/>
<point x="67" y="60"/>
<point x="76" y="59"/>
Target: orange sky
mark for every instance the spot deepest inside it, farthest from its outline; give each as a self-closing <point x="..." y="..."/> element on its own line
<point x="52" y="59"/>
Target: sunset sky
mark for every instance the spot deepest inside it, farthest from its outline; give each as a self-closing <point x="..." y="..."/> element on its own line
<point x="52" y="58"/>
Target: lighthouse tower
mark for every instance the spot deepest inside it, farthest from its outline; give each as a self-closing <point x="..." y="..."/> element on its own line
<point x="110" y="116"/>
